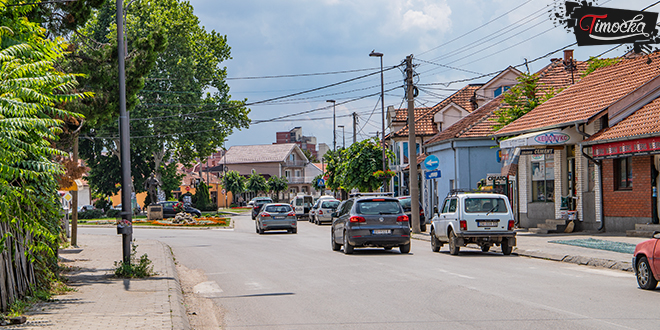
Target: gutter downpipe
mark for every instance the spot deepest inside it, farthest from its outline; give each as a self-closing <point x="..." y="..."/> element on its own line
<point x="600" y="177"/>
<point x="455" y="174"/>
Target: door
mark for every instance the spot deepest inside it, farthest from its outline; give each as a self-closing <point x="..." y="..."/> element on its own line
<point x="655" y="262"/>
<point x="448" y="215"/>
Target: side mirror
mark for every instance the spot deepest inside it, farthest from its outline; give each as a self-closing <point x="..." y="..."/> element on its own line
<point x="656" y="234"/>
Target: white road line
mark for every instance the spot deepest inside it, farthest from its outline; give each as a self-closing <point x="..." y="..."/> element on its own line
<point x="458" y="275"/>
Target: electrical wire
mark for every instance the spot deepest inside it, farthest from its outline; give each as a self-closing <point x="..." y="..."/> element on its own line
<point x="301" y="74"/>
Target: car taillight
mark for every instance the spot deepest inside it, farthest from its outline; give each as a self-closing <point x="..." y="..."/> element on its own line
<point x="265" y="214"/>
<point x="402" y="218"/>
<point x="357" y="219"/>
<point x="510" y="227"/>
<point x="291" y="214"/>
<point x="320" y="211"/>
<point x="256" y="207"/>
<point x="421" y="211"/>
<point x="463" y="225"/>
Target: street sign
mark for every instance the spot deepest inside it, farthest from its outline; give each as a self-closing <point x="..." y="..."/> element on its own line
<point x="431" y="162"/>
<point x="432" y="174"/>
<point x="67" y="197"/>
<point x="320" y="183"/>
<point x="224" y="191"/>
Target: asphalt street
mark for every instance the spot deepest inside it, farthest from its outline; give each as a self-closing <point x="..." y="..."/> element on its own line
<point x="295" y="281"/>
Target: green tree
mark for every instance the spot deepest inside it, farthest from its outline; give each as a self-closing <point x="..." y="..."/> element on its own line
<point x="521" y="99"/>
<point x="596" y="63"/>
<point x="202" y="199"/>
<point x="256" y="183"/>
<point x="333" y="165"/>
<point x="277" y="184"/>
<point x="361" y="160"/>
<point x="234" y="182"/>
<point x="310" y="157"/>
<point x="315" y="182"/>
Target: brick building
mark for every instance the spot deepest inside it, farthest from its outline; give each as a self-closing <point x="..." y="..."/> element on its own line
<point x="295" y="136"/>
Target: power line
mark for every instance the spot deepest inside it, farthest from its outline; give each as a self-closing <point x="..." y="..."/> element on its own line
<point x="38" y="3"/>
<point x="301" y="74"/>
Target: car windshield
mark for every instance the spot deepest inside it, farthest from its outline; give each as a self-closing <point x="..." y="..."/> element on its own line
<point x="485" y="205"/>
<point x="405" y="202"/>
<point x="330" y="205"/>
<point x="263" y="201"/>
<point x="376" y="207"/>
<point x="278" y="208"/>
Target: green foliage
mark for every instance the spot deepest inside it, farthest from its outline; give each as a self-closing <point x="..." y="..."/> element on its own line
<point x="137" y="268"/>
<point x="256" y="183"/>
<point x="202" y="200"/>
<point x="234" y="182"/>
<point x="170" y="179"/>
<point x="90" y="214"/>
<point x="521" y="99"/>
<point x="596" y="63"/>
<point x="277" y="184"/>
<point x="333" y="165"/>
<point x="112" y="213"/>
<point x="310" y="157"/>
<point x="359" y="162"/>
<point x="315" y="182"/>
<point x="103" y="204"/>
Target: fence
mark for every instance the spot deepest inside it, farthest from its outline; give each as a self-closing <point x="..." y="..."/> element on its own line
<point x="16" y="271"/>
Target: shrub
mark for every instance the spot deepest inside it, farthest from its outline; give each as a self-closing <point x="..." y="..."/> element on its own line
<point x="91" y="214"/>
<point x="137" y="268"/>
<point x="112" y="213"/>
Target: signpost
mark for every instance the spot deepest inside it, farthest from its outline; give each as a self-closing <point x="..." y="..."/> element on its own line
<point x="431" y="162"/>
<point x="432" y="174"/>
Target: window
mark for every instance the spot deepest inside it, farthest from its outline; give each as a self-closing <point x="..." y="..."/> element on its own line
<point x="378" y="207"/>
<point x="452" y="205"/>
<point x="292" y="157"/>
<point x="287" y="174"/>
<point x="501" y="90"/>
<point x="623" y="173"/>
<point x="484" y="205"/>
<point x="297" y="173"/>
<point x="405" y="151"/>
<point x="543" y="178"/>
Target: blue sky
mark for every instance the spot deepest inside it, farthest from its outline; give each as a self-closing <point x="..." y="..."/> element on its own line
<point x="293" y="37"/>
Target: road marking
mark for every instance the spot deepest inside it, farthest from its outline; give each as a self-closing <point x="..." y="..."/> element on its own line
<point x="207" y="288"/>
<point x="458" y="275"/>
<point x="253" y="285"/>
<point x="605" y="272"/>
<point x="224" y="229"/>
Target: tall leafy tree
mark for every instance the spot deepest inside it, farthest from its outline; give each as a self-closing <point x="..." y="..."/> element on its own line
<point x="361" y="160"/>
<point x="234" y="182"/>
<point x="256" y="183"/>
<point x="277" y="184"/>
<point x="333" y="165"/>
<point x="521" y="99"/>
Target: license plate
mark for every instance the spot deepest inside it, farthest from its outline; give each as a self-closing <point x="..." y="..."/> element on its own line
<point x="487" y="223"/>
<point x="278" y="218"/>
<point x="381" y="232"/>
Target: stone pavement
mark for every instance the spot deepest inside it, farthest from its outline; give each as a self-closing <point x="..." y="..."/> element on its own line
<point x="539" y="246"/>
<point x="105" y="302"/>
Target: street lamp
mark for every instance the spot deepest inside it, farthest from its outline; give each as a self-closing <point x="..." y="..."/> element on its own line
<point x="334" y="134"/>
<point x="382" y="105"/>
<point x="343" y="137"/>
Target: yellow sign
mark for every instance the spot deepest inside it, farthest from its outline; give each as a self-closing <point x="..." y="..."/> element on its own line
<point x="67" y="197"/>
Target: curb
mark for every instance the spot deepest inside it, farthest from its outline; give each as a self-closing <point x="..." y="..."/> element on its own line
<point x="579" y="260"/>
<point x="177" y="308"/>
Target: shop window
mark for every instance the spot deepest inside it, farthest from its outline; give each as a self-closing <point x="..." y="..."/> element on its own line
<point x="543" y="178"/>
<point x="623" y="173"/>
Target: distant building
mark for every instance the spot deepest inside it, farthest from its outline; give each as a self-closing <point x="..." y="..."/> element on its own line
<point x="295" y="136"/>
<point x="323" y="148"/>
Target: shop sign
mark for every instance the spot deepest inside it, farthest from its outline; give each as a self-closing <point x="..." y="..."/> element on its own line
<point x="600" y="26"/>
<point x="632" y="147"/>
<point x="552" y="138"/>
<point x="497" y="178"/>
<point x="537" y="151"/>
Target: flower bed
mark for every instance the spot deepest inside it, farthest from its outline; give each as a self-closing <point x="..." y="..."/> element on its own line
<point x="199" y="222"/>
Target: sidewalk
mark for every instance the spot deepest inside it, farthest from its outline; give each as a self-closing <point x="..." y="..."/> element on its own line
<point x="540" y="246"/>
<point x="105" y="302"/>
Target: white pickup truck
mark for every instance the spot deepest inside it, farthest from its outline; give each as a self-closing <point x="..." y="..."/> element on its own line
<point x="474" y="218"/>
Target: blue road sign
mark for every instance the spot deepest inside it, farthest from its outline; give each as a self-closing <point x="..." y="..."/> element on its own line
<point x="320" y="183"/>
<point x="432" y="174"/>
<point x="431" y="162"/>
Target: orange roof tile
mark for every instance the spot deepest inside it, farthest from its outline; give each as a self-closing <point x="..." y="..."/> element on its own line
<point x="589" y="96"/>
<point x="641" y="122"/>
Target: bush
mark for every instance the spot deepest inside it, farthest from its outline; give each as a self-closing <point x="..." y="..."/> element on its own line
<point x="138" y="268"/>
<point x="91" y="214"/>
<point x="112" y="213"/>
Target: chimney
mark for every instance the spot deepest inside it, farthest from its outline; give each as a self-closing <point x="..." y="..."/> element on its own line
<point x="568" y="55"/>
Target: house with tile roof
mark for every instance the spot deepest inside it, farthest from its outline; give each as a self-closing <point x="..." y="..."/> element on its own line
<point x="468" y="154"/>
<point x="556" y="178"/>
<point x="282" y="160"/>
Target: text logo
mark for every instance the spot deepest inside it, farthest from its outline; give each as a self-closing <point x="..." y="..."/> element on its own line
<point x="552" y="138"/>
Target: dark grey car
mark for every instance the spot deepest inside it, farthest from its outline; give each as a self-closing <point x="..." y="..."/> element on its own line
<point x="276" y="217"/>
<point x="373" y="221"/>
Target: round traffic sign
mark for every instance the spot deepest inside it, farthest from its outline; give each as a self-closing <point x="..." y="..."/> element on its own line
<point x="431" y="162"/>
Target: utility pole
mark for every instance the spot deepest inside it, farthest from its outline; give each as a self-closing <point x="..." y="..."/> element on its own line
<point x="126" y="226"/>
<point x="354" y="126"/>
<point x="334" y="123"/>
<point x="412" y="149"/>
<point x="74" y="195"/>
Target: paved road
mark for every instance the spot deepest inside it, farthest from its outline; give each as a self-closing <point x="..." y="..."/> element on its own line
<point x="295" y="281"/>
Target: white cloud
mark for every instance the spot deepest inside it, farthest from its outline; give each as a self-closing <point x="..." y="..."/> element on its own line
<point x="426" y="16"/>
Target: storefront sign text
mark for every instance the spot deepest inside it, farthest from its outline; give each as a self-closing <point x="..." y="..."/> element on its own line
<point x="552" y="138"/>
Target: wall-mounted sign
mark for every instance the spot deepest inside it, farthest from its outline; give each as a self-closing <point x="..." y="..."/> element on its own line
<point x="552" y="138"/>
<point x="537" y="151"/>
<point x="600" y="26"/>
<point x="496" y="178"/>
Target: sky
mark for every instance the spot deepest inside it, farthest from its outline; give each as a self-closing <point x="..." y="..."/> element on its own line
<point x="285" y="47"/>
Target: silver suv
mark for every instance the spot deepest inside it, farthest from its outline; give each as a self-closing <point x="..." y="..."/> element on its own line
<point x="477" y="218"/>
<point x="370" y="221"/>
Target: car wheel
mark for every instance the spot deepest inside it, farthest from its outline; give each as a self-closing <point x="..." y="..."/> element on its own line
<point x="422" y="227"/>
<point x="645" y="278"/>
<point x="405" y="249"/>
<point x="256" y="228"/>
<point x="506" y="248"/>
<point x="294" y="231"/>
<point x="453" y="248"/>
<point x="435" y="244"/>
<point x="261" y="231"/>
<point x="348" y="248"/>
<point x="335" y="246"/>
<point x="485" y="248"/>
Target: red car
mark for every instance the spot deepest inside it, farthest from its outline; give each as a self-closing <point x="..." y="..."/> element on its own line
<point x="646" y="261"/>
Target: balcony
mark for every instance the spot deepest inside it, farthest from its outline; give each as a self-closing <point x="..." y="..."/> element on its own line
<point x="297" y="180"/>
<point x="294" y="163"/>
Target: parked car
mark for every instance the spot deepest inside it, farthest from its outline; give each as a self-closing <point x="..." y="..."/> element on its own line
<point x="324" y="211"/>
<point x="258" y="203"/>
<point x="474" y="218"/>
<point x="169" y="212"/>
<point x="370" y="221"/>
<point x="136" y="210"/>
<point x="302" y="204"/>
<point x="276" y="216"/>
<point x="646" y="262"/>
<point x="312" y="211"/>
<point x="86" y="208"/>
<point x="405" y="203"/>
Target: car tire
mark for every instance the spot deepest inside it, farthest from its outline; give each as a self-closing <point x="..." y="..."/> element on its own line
<point x="645" y="278"/>
<point x="454" y="249"/>
<point x="435" y="243"/>
<point x="422" y="227"/>
<point x="256" y="228"/>
<point x="405" y="249"/>
<point x="261" y="231"/>
<point x="335" y="246"/>
<point x="485" y="248"/>
<point x="506" y="248"/>
<point x="348" y="248"/>
<point x="294" y="231"/>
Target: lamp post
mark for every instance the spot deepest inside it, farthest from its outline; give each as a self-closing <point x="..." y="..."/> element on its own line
<point x="382" y="105"/>
<point x="343" y="137"/>
<point x="334" y="134"/>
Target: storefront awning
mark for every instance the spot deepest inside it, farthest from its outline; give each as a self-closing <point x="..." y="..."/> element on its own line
<point x="644" y="146"/>
<point x="543" y="138"/>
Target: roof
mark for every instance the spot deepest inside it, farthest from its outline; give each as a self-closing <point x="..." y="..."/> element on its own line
<point x="480" y="123"/>
<point x="589" y="96"/>
<point x="424" y="124"/>
<point x="261" y="153"/>
<point x="642" y="122"/>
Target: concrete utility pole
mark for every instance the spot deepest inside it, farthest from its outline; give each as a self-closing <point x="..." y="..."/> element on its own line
<point x="382" y="106"/>
<point x="125" y="143"/>
<point x="354" y="126"/>
<point x="412" y="149"/>
<point x="74" y="195"/>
